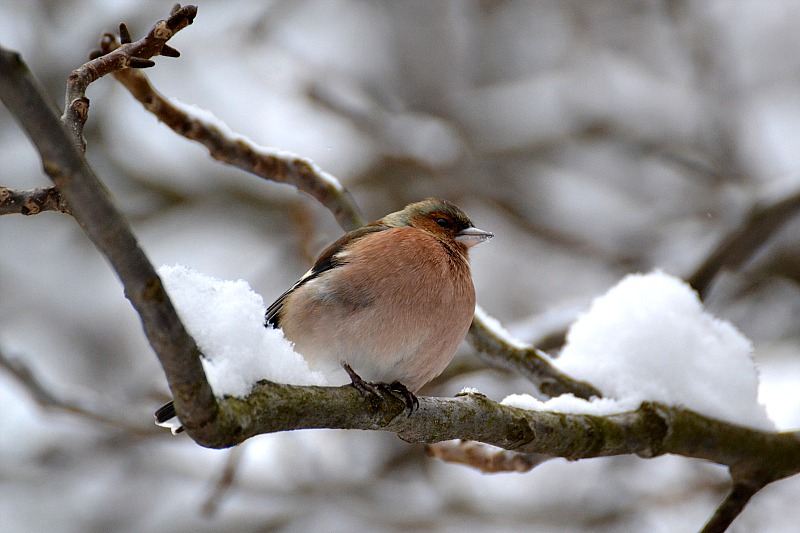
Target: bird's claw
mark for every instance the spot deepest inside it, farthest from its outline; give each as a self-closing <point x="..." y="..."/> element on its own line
<point x="365" y="387"/>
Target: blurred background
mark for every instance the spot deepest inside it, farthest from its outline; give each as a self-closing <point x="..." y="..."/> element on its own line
<point x="593" y="138"/>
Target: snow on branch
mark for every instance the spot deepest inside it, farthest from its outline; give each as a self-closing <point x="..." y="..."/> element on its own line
<point x="234" y="149"/>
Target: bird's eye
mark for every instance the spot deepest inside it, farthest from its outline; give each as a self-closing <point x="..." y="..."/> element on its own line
<point x="443" y="222"/>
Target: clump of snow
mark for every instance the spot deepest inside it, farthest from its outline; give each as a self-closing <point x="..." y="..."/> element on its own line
<point x="650" y="339"/>
<point x="226" y="319"/>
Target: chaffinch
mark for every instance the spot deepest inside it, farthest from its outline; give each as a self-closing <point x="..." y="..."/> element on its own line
<point x="387" y="303"/>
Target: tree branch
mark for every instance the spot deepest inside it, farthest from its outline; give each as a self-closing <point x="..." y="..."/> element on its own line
<point x="498" y="351"/>
<point x="49" y="401"/>
<point x="652" y="430"/>
<point x="235" y="150"/>
<point x="109" y="231"/>
<point x="129" y="55"/>
<point x="31" y="201"/>
<point x="743" y="242"/>
<point x="731" y="507"/>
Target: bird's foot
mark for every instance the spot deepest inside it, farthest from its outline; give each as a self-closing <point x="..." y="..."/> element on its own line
<point x="366" y="387"/>
<point x="412" y="403"/>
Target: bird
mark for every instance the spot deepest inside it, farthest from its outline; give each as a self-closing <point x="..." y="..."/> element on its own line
<point x="387" y="304"/>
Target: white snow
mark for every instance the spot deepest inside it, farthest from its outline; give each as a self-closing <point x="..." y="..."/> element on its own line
<point x="650" y="339"/>
<point x="569" y="403"/>
<point x="226" y="319"/>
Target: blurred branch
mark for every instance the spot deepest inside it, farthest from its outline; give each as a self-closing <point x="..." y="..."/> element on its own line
<point x="743" y="242"/>
<point x="90" y="205"/>
<point x="225" y="481"/>
<point x="31" y="201"/>
<point x="486" y="459"/>
<point x="563" y="239"/>
<point x="49" y="401"/>
<point x="235" y="150"/>
<point x="130" y="55"/>
<point x="432" y="142"/>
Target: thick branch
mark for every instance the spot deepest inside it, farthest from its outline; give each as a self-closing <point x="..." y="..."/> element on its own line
<point x="31" y="201"/>
<point x="650" y="431"/>
<point x="110" y="232"/>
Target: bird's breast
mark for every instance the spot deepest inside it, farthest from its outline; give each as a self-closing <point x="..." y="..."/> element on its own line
<point x="395" y="311"/>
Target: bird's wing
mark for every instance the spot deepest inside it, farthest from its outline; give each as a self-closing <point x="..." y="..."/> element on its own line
<point x="329" y="259"/>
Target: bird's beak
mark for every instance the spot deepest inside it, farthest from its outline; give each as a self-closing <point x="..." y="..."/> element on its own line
<point x="471" y="236"/>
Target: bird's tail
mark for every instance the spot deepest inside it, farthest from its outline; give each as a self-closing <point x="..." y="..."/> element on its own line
<point x="167" y="418"/>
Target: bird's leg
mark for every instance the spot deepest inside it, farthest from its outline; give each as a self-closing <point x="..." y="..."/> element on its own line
<point x="365" y="387"/>
<point x="362" y="386"/>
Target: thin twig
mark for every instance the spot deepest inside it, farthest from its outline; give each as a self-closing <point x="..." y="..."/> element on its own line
<point x="128" y="55"/>
<point x="31" y="201"/>
<point x="743" y="242"/>
<point x="495" y="349"/>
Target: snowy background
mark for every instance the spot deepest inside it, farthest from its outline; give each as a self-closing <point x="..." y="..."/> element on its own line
<point x="594" y="139"/>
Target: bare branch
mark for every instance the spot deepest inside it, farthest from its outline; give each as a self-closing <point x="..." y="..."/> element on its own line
<point x="731" y="507"/>
<point x="130" y="55"/>
<point x="31" y="201"/>
<point x="486" y="459"/>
